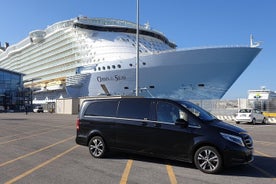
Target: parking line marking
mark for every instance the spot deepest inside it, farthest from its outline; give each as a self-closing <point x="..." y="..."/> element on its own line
<point x="13" y="140"/>
<point x="263" y="154"/>
<point x="264" y="172"/>
<point x="171" y="174"/>
<point x="261" y="170"/>
<point x="32" y="132"/>
<point x="266" y="143"/>
<point x="126" y="172"/>
<point x="34" y="152"/>
<point x="40" y="166"/>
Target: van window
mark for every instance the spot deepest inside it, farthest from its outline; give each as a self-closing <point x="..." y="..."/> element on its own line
<point x="167" y="112"/>
<point x="103" y="108"/>
<point x="134" y="109"/>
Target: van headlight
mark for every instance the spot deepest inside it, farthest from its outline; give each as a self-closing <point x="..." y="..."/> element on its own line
<point x="233" y="138"/>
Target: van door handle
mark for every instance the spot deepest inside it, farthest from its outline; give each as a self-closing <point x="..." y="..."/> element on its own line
<point x="144" y="123"/>
<point x="157" y="125"/>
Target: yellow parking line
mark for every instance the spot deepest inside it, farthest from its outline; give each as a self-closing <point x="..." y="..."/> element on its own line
<point x="264" y="172"/>
<point x="265" y="143"/>
<point x="126" y="172"/>
<point x="261" y="170"/>
<point x="261" y="153"/>
<point x="34" y="152"/>
<point x="33" y="135"/>
<point x="40" y="166"/>
<point x="171" y="174"/>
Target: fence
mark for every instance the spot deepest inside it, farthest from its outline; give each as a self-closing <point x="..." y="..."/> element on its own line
<point x="230" y="107"/>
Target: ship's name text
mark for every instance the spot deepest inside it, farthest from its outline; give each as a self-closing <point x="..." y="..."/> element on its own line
<point x="111" y="78"/>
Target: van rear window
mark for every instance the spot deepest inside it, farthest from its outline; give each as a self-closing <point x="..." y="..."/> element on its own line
<point x="102" y="108"/>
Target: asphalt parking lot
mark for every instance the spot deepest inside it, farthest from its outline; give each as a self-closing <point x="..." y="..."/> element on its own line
<point x="41" y="148"/>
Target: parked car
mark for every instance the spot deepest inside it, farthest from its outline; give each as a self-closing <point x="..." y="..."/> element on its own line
<point x="38" y="109"/>
<point x="164" y="128"/>
<point x="250" y="116"/>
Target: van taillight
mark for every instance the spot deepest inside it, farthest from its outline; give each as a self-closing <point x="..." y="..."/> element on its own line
<point x="78" y="124"/>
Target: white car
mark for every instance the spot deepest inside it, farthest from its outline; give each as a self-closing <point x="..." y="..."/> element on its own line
<point x="38" y="109"/>
<point x="250" y="116"/>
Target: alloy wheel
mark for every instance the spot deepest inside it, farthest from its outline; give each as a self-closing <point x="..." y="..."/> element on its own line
<point x="208" y="160"/>
<point x="97" y="147"/>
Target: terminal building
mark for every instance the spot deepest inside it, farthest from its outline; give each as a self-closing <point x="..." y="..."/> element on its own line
<point x="12" y="92"/>
<point x="262" y="99"/>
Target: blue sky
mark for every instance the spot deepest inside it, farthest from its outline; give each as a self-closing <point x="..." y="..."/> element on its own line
<point x="188" y="23"/>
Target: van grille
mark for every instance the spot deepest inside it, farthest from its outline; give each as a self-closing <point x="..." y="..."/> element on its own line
<point x="248" y="141"/>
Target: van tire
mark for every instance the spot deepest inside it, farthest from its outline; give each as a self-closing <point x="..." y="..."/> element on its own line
<point x="208" y="160"/>
<point x="97" y="147"/>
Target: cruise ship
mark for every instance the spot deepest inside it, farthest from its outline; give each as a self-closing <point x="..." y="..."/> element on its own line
<point x="97" y="56"/>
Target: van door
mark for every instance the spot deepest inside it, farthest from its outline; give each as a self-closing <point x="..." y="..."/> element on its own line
<point x="173" y="141"/>
<point x="132" y="132"/>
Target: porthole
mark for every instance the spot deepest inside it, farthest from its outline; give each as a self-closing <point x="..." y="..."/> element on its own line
<point x="108" y="67"/>
<point x="144" y="63"/>
<point x="119" y="66"/>
<point x="103" y="68"/>
<point x="130" y="64"/>
<point x="113" y="66"/>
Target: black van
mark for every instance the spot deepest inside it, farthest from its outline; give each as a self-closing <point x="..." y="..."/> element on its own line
<point x="165" y="128"/>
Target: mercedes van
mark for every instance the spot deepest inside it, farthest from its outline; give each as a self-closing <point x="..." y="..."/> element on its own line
<point x="171" y="129"/>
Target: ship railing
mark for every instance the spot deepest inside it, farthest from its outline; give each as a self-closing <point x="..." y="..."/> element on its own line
<point x="215" y="47"/>
<point x="203" y="47"/>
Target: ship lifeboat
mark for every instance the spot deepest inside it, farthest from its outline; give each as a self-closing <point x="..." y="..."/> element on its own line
<point x="55" y="85"/>
<point x="37" y="36"/>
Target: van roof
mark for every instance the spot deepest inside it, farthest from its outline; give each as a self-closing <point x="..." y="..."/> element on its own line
<point x="110" y="97"/>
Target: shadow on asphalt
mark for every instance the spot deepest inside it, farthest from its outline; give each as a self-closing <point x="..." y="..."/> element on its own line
<point x="261" y="167"/>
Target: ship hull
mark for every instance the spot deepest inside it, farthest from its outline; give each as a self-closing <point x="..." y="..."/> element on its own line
<point x="205" y="73"/>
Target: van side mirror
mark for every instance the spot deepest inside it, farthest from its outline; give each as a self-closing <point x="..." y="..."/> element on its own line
<point x="182" y="123"/>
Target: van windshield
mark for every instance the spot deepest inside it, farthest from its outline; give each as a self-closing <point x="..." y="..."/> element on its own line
<point x="198" y="111"/>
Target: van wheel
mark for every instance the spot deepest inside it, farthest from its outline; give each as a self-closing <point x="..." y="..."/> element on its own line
<point x="208" y="160"/>
<point x="237" y="122"/>
<point x="97" y="147"/>
<point x="265" y="121"/>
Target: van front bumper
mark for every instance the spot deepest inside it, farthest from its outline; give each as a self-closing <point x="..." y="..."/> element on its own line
<point x="238" y="156"/>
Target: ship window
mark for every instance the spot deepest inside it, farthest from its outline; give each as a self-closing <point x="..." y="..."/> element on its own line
<point x="108" y="67"/>
<point x="99" y="69"/>
<point x="103" y="68"/>
<point x="144" y="63"/>
<point x="119" y="66"/>
<point x="130" y="64"/>
<point x="113" y="66"/>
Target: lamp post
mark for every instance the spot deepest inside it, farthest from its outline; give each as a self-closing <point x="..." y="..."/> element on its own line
<point x="137" y="47"/>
